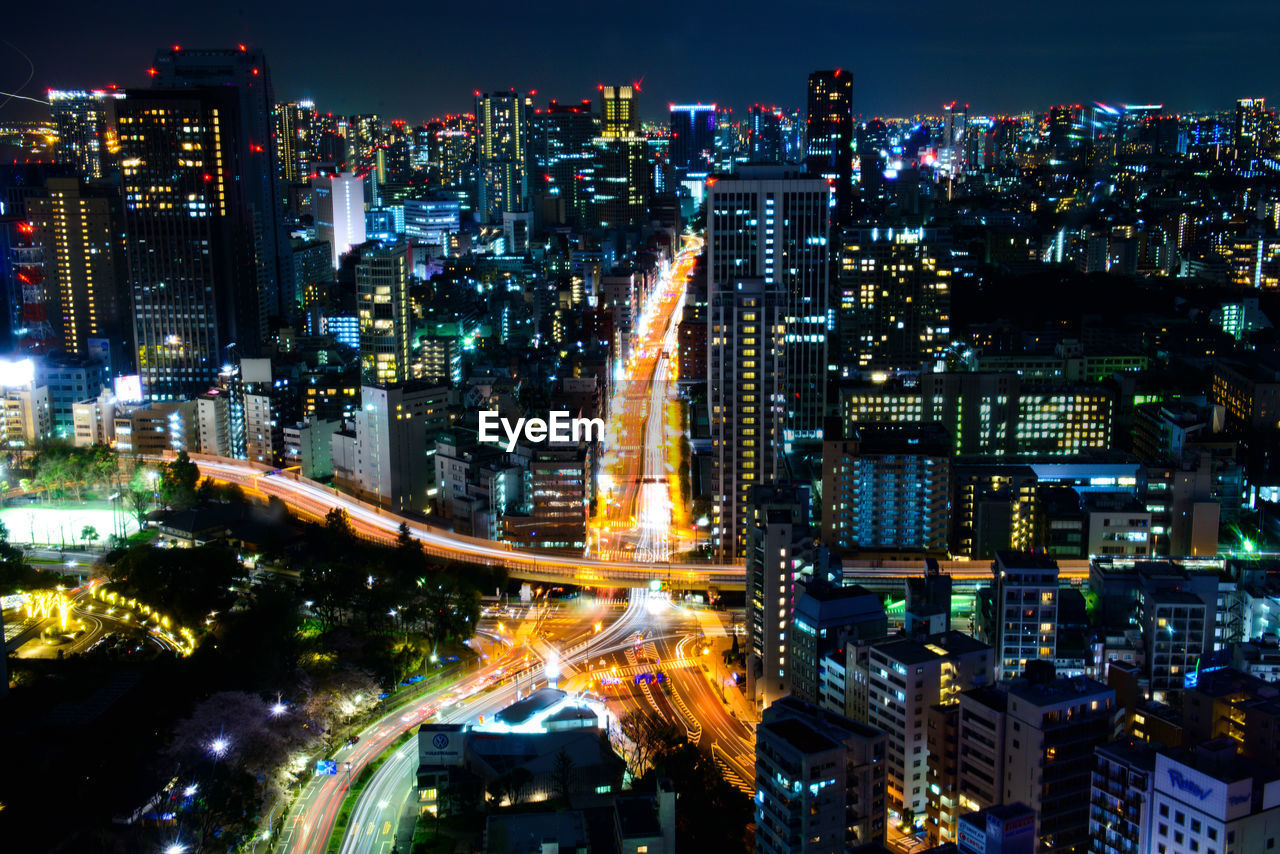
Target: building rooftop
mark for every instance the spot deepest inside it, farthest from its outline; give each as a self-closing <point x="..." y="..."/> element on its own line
<point x="939" y="646"/>
<point x="519" y="712"/>
<point x="799" y="735"/>
<point x="637" y="816"/>
<point x="1008" y="559"/>
<point x="1058" y="691"/>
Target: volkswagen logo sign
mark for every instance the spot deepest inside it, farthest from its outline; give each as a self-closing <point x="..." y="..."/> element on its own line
<point x="441" y="741"/>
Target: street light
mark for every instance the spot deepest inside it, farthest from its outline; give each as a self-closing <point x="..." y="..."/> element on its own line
<point x="175" y="848"/>
<point x="218" y="747"/>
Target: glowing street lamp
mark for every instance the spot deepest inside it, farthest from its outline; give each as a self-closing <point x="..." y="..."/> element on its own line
<point x="218" y="747"/>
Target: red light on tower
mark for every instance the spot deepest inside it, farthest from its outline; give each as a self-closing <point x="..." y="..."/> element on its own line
<point x="208" y="177"/>
<point x="177" y="47"/>
<point x="243" y="49"/>
<point x="255" y="72"/>
<point x="151" y="72"/>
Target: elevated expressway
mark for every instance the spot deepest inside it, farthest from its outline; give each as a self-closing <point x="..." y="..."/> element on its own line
<point x="313" y="500"/>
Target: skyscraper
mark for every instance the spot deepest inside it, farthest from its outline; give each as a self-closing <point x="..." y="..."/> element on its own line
<point x="563" y="161"/>
<point x="501" y="143"/>
<point x="82" y="231"/>
<point x="766" y="333"/>
<point x="247" y="74"/>
<point x="191" y="237"/>
<point x="765" y="143"/>
<point x="84" y="121"/>
<point x="295" y="139"/>
<point x="693" y="136"/>
<point x="337" y="203"/>
<point x="830" y="136"/>
<point x="623" y="179"/>
<point x="1250" y="125"/>
<point x="382" y="304"/>
<point x="894" y="288"/>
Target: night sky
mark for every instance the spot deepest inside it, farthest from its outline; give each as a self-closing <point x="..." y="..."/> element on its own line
<point x="413" y="61"/>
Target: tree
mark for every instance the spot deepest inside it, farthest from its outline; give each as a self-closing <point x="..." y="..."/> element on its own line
<point x="89" y="534"/>
<point x="562" y="773"/>
<point x="140" y="493"/>
<point x="178" y="482"/>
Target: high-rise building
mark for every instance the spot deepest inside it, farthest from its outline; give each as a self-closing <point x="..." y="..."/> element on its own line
<point x="382" y="304"/>
<point x="192" y="235"/>
<point x="501" y="153"/>
<point x="1026" y="610"/>
<point x="766" y="333"/>
<point x="623" y="177"/>
<point x="563" y="161"/>
<point x="765" y="142"/>
<point x="1250" y="126"/>
<point x="246" y="73"/>
<point x="295" y="140"/>
<point x="388" y="459"/>
<point x="85" y="125"/>
<point x="1050" y="734"/>
<point x="894" y="287"/>
<point x="829" y="140"/>
<point x="827" y="616"/>
<point x="81" y="229"/>
<point x="693" y="135"/>
<point x="906" y="678"/>
<point x="337" y="203"/>
<point x="780" y="547"/>
<point x="820" y="781"/>
<point x="886" y="487"/>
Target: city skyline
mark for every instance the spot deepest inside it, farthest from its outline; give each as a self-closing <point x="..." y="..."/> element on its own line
<point x="1146" y="53"/>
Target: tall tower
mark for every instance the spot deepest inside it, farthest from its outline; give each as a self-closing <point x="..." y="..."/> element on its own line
<point x="501" y="142"/>
<point x="246" y="73"/>
<point x="192" y="235"/>
<point x="829" y="139"/>
<point x="563" y="160"/>
<point x="337" y="203"/>
<point x="767" y="234"/>
<point x="382" y="305"/>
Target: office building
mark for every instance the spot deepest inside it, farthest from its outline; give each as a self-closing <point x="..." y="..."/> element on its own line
<point x="246" y="74"/>
<point x="905" y="679"/>
<point x="1026" y="610"/>
<point x="501" y="154"/>
<point x="693" y="135"/>
<point x="70" y="379"/>
<point x="337" y="203"/>
<point x="1209" y="799"/>
<point x="765" y="142"/>
<point x="557" y="491"/>
<point x="829" y="139"/>
<point x="820" y="781"/>
<point x="1251" y="126"/>
<point x="382" y="304"/>
<point x="85" y="122"/>
<point x="563" y="157"/>
<point x="894" y="287"/>
<point x="81" y="229"/>
<point x="623" y="180"/>
<point x="886" y="487"/>
<point x="1004" y="829"/>
<point x="190" y="225"/>
<point x="28" y="420"/>
<point x="767" y="332"/>
<point x="979" y="748"/>
<point x="387" y="460"/>
<point x="432" y="222"/>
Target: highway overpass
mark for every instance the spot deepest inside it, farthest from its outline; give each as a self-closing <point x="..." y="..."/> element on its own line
<point x="313" y="500"/>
